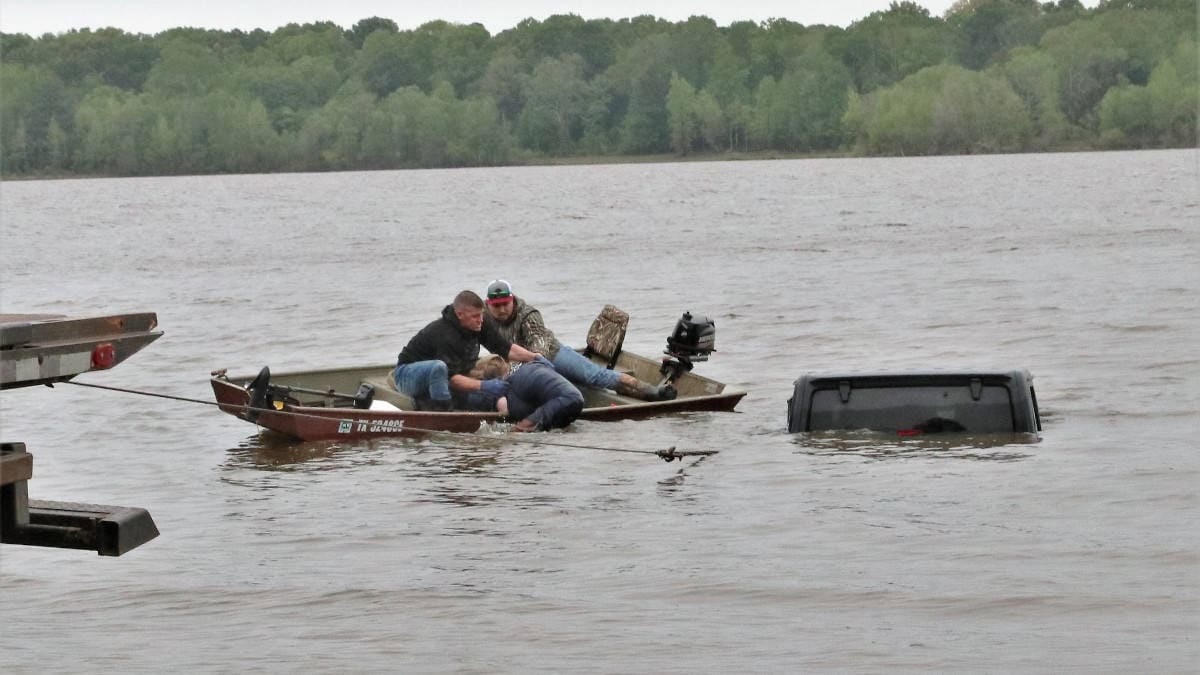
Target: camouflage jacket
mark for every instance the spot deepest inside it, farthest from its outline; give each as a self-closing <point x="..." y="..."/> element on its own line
<point x="525" y="328"/>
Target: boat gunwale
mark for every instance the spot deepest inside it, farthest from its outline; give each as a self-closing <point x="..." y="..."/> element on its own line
<point x="323" y="411"/>
<point x="304" y="421"/>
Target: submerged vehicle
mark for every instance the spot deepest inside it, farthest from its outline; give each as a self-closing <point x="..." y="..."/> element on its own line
<point x="362" y="402"/>
<point x="914" y="403"/>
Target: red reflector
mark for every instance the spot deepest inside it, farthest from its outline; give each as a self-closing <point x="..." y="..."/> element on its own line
<point x="104" y="356"/>
<point x="908" y="432"/>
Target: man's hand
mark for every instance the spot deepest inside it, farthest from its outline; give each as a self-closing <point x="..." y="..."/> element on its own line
<point x="520" y="354"/>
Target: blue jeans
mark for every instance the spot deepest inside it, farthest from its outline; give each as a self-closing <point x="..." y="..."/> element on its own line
<point x="423" y="379"/>
<point x="537" y="392"/>
<point x="579" y="369"/>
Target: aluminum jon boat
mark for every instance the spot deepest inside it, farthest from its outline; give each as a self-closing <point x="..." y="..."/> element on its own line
<point x="362" y="402"/>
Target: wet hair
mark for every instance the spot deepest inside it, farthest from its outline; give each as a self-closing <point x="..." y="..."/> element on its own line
<point x="490" y="368"/>
<point x="468" y="300"/>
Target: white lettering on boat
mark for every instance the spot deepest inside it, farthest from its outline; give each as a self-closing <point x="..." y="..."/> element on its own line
<point x="379" y="426"/>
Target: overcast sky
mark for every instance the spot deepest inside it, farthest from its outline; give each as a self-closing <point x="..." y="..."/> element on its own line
<point x="36" y="17"/>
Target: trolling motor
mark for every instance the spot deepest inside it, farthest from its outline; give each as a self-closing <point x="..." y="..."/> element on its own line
<point x="260" y="393"/>
<point x="267" y="396"/>
<point x="693" y="339"/>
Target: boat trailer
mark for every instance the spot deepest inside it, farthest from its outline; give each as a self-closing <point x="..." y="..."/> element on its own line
<point x="44" y="349"/>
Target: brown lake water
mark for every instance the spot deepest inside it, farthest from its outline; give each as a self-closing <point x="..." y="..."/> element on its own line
<point x="780" y="553"/>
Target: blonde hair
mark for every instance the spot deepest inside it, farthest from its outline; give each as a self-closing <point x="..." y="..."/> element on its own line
<point x="490" y="368"/>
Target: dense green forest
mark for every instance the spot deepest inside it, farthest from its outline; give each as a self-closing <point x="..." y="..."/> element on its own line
<point x="990" y="76"/>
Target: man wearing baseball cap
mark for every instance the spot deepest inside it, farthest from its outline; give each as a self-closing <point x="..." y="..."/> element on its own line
<point x="521" y="323"/>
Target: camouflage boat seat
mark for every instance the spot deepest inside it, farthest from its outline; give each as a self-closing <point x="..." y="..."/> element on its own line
<point x="607" y="334"/>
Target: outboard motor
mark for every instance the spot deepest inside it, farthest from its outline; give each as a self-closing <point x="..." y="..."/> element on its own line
<point x="693" y="339"/>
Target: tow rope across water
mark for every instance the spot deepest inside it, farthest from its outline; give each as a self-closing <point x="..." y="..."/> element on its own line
<point x="670" y="454"/>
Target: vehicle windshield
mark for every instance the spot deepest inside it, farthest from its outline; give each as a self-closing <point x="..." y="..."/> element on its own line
<point x="924" y="408"/>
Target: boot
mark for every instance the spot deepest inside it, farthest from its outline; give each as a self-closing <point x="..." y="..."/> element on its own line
<point x="635" y="388"/>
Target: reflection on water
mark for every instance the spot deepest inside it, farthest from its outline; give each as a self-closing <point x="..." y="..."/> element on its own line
<point x="673" y="485"/>
<point x="483" y="471"/>
<point x="881" y="445"/>
<point x="456" y="469"/>
<point x="273" y="452"/>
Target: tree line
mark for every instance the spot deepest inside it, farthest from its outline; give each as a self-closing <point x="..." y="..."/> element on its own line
<point x="989" y="76"/>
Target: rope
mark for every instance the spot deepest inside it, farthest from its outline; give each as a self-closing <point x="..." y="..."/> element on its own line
<point x="668" y="455"/>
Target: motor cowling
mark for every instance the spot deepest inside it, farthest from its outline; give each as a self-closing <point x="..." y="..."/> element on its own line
<point x="694" y="338"/>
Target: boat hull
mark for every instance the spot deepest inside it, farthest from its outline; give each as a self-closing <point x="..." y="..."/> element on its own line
<point x="314" y="417"/>
<point x="310" y="423"/>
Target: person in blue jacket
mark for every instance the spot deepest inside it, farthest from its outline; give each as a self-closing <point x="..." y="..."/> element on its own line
<point x="538" y="397"/>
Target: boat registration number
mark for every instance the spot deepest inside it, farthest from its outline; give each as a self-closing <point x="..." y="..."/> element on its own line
<point x="369" y="426"/>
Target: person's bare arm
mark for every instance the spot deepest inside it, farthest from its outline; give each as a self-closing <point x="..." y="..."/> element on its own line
<point x="520" y="354"/>
<point x="464" y="383"/>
